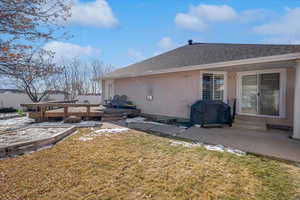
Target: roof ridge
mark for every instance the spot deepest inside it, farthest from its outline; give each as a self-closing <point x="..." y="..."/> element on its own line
<point x="205" y="53"/>
<point x="258" y="44"/>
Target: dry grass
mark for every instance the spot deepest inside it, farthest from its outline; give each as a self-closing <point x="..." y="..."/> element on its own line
<point x="135" y="165"/>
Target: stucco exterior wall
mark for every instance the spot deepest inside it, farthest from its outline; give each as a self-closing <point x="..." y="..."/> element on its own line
<point x="174" y="93"/>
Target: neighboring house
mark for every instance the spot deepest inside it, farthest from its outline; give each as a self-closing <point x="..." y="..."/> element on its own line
<point x="56" y="95"/>
<point x="265" y="80"/>
<point x="13" y="98"/>
<point x="90" y="98"/>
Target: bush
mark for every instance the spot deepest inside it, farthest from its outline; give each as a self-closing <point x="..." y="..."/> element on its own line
<point x="21" y="113"/>
<point x="8" y="110"/>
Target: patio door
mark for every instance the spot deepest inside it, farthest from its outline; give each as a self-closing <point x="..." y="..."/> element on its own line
<point x="261" y="93"/>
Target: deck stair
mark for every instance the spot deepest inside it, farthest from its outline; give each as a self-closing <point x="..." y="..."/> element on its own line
<point x="107" y="117"/>
<point x="246" y="122"/>
<point x="111" y="114"/>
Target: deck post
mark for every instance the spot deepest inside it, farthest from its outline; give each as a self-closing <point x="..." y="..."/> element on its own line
<point x="43" y="113"/>
<point x="296" y="133"/>
<point x="65" y="112"/>
<point x="88" y="110"/>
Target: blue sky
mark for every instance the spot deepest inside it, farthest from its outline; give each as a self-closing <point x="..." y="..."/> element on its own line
<point x="124" y="32"/>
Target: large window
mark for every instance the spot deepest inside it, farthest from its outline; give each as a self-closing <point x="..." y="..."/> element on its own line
<point x="213" y="86"/>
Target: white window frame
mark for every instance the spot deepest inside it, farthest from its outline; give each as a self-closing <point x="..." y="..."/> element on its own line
<point x="282" y="91"/>
<point x="214" y="73"/>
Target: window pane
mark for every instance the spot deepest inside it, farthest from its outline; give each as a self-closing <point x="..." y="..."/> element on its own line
<point x="249" y="94"/>
<point x="218" y="87"/>
<point x="269" y="94"/>
<point x="207" y="87"/>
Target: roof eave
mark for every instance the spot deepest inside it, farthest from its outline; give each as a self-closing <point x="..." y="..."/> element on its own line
<point x="266" y="59"/>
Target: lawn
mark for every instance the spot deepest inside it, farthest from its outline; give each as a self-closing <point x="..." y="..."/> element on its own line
<point x="136" y="165"/>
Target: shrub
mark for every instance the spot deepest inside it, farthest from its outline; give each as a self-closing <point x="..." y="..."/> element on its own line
<point x="21" y="113"/>
<point x="7" y="110"/>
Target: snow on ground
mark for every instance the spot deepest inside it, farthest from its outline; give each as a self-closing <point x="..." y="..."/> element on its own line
<point x="219" y="148"/>
<point x="141" y="120"/>
<point x="23" y="122"/>
<point x="61" y="123"/>
<point x="27" y="135"/>
<point x="112" y="130"/>
<point x="8" y="115"/>
<point x="15" y="123"/>
<point x="102" y="132"/>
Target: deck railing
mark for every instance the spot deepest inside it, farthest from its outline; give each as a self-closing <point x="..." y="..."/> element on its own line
<point x="43" y="107"/>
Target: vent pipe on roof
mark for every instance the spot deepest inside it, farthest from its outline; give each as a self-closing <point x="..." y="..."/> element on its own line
<point x="190" y="42"/>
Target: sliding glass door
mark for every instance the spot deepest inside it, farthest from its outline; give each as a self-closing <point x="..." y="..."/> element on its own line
<point x="260" y="94"/>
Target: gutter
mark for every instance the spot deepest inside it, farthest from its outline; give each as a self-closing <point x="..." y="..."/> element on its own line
<point x="266" y="59"/>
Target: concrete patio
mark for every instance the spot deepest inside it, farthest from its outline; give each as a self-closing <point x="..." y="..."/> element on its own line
<point x="271" y="143"/>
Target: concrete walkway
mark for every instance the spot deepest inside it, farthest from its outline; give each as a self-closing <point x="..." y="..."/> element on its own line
<point x="273" y="143"/>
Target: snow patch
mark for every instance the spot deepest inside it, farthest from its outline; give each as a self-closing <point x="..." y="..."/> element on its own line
<point x="141" y="120"/>
<point x="219" y="148"/>
<point x="84" y="139"/>
<point x="112" y="130"/>
<point x="15" y="123"/>
<point x="82" y="123"/>
<point x="102" y="132"/>
<point x="28" y="135"/>
<point x="185" y="144"/>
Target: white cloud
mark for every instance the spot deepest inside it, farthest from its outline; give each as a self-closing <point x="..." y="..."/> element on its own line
<point x="199" y="17"/>
<point x="284" y="30"/>
<point x="68" y="51"/>
<point x="189" y="22"/>
<point x="165" y="43"/>
<point x="254" y="15"/>
<point x="281" y="40"/>
<point x="97" y="13"/>
<point x="287" y="25"/>
<point x="135" y="54"/>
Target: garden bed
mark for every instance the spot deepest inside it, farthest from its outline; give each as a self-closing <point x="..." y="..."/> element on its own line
<point x="30" y="139"/>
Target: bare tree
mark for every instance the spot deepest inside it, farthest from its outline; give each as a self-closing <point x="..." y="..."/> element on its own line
<point x="36" y="83"/>
<point x="81" y="77"/>
<point x="25" y="25"/>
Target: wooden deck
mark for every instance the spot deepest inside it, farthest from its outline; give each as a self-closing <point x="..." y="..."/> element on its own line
<point x="44" y="111"/>
<point x="76" y="111"/>
<point x="100" y="112"/>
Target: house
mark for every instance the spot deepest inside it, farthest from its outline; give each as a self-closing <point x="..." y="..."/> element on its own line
<point x="264" y="78"/>
<point x="14" y="97"/>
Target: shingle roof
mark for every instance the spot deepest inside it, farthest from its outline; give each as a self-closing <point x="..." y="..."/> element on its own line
<point x="204" y="53"/>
